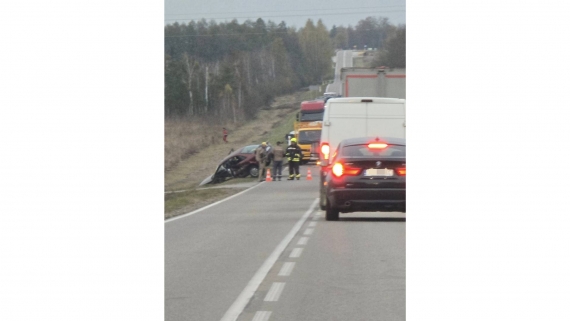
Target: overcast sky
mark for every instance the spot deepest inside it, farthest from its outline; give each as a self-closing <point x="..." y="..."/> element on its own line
<point x="293" y="12"/>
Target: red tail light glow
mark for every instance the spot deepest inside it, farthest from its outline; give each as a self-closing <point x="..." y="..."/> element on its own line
<point x="377" y="145"/>
<point x="325" y="150"/>
<point x="401" y="171"/>
<point x="338" y="170"/>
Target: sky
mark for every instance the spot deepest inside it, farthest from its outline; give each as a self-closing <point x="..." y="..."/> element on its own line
<point x="294" y="12"/>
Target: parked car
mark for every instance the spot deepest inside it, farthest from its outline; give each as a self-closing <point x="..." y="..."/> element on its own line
<point x="240" y="163"/>
<point x="366" y="174"/>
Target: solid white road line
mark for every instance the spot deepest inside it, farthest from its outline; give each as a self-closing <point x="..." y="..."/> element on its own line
<point x="303" y="240"/>
<point x="239" y="304"/>
<point x="296" y="252"/>
<point x="309" y="231"/>
<point x="286" y="269"/>
<point x="261" y="316"/>
<point x="275" y="291"/>
<point x="312" y="224"/>
<point x="206" y="207"/>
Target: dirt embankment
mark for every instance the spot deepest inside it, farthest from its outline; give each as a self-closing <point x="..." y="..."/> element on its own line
<point x="271" y="124"/>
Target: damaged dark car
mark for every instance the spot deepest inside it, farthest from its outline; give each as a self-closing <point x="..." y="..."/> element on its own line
<point x="240" y="163"/>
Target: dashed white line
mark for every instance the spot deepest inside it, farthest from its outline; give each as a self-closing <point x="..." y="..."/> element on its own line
<point x="286" y="269"/>
<point x="296" y="252"/>
<point x="312" y="224"/>
<point x="308" y="231"/>
<point x="275" y="291"/>
<point x="261" y="316"/>
<point x="303" y="240"/>
<point x="243" y="299"/>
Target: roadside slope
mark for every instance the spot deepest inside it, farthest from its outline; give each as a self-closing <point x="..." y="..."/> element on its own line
<point x="181" y="182"/>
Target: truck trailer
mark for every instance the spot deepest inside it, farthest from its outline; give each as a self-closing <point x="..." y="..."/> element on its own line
<point x="373" y="82"/>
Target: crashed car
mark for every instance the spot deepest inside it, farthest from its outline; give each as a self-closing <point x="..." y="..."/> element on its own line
<point x="240" y="163"/>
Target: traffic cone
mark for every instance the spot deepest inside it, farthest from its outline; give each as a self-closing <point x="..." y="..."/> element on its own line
<point x="268" y="176"/>
<point x="309" y="177"/>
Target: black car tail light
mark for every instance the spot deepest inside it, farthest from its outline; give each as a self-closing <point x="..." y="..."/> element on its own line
<point x="338" y="169"/>
<point x="401" y="171"/>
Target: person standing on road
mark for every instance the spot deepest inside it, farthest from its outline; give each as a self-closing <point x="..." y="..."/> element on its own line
<point x="225" y="133"/>
<point x="294" y="156"/>
<point x="261" y="158"/>
<point x="277" y="154"/>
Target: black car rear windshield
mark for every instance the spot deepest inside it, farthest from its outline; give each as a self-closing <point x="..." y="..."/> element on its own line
<point x="364" y="151"/>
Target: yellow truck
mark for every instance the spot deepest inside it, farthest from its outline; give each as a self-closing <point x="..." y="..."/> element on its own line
<point x="308" y="128"/>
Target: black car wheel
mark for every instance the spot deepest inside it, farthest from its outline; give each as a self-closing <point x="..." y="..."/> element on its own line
<point x="253" y="171"/>
<point x="331" y="212"/>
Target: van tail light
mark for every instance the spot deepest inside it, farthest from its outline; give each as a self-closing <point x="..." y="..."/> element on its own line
<point x="325" y="150"/>
<point x="401" y="171"/>
<point x="338" y="170"/>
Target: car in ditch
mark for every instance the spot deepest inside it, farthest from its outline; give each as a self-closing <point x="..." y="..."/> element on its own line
<point x="239" y="163"/>
<point x="366" y="174"/>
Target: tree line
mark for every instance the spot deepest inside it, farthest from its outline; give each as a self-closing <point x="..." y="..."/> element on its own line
<point x="228" y="71"/>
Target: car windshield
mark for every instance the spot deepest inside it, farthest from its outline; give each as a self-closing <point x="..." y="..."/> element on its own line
<point x="249" y="149"/>
<point x="364" y="151"/>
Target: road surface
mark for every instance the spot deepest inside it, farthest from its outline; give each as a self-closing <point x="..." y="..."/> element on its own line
<point x="268" y="254"/>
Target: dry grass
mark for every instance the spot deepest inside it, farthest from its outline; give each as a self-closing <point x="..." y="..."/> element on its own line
<point x="194" y="150"/>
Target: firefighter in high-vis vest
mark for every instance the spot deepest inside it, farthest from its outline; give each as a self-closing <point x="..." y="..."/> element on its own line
<point x="294" y="156"/>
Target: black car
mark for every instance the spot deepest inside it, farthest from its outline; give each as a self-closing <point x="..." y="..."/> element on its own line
<point x="366" y="174"/>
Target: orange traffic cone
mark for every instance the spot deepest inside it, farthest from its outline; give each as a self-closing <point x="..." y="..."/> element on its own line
<point x="268" y="176"/>
<point x="309" y="177"/>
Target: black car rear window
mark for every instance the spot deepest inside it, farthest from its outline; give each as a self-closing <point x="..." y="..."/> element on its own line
<point x="364" y="151"/>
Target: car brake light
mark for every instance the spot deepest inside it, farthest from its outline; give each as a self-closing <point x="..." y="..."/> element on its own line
<point x="401" y="171"/>
<point x="325" y="150"/>
<point x="338" y="170"/>
<point x="377" y="145"/>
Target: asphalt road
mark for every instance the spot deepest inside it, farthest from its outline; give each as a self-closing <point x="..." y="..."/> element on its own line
<point x="268" y="254"/>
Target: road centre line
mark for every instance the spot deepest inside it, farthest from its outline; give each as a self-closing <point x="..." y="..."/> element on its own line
<point x="239" y="304"/>
<point x="286" y="269"/>
<point x="261" y="316"/>
<point x="312" y="224"/>
<point x="275" y="291"/>
<point x="303" y="240"/>
<point x="309" y="231"/>
<point x="208" y="206"/>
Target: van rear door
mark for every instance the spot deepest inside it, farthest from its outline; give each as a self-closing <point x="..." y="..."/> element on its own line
<point x="386" y="119"/>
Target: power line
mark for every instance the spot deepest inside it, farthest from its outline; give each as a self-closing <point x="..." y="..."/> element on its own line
<point x="280" y="16"/>
<point x="281" y="11"/>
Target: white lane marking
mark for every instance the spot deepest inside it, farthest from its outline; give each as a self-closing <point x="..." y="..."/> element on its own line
<point x="309" y="231"/>
<point x="318" y="213"/>
<point x="275" y="291"/>
<point x="261" y="316"/>
<point x="303" y="240"/>
<point x="312" y="224"/>
<point x="296" y="252"/>
<point x="206" y="207"/>
<point x="239" y="304"/>
<point x="287" y="269"/>
<point x="315" y="218"/>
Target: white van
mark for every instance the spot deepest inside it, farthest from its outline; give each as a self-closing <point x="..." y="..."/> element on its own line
<point x="358" y="117"/>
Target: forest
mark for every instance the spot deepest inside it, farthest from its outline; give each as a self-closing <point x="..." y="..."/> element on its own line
<point x="228" y="71"/>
